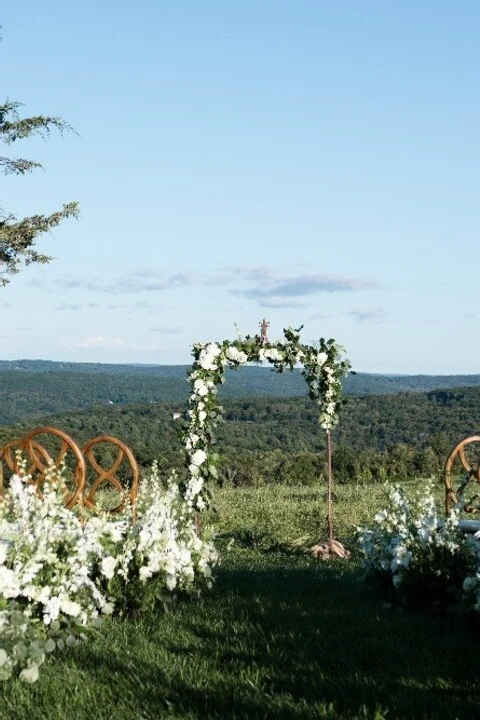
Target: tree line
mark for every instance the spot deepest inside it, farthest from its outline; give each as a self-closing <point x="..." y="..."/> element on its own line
<point x="268" y="440"/>
<point x="36" y="388"/>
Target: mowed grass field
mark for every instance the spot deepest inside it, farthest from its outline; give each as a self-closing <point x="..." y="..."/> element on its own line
<point x="281" y="635"/>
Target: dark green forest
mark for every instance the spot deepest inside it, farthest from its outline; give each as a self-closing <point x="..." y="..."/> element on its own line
<point x="266" y="437"/>
<point x="35" y="388"/>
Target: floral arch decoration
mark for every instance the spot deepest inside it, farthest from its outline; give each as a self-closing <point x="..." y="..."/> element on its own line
<point x="324" y="364"/>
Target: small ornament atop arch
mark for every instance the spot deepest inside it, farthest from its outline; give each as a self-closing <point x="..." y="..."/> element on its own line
<point x="264" y="325"/>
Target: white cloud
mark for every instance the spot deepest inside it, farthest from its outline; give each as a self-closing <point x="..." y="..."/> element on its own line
<point x="378" y="314"/>
<point x="278" y="302"/>
<point x="97" y="341"/>
<point x="167" y="330"/>
<point x="268" y="287"/>
<point x="303" y="285"/>
<point x="66" y="306"/>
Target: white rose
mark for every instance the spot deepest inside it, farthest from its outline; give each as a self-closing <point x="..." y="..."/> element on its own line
<point x="108" y="608"/>
<point x="29" y="674"/>
<point x="198" y="457"/>
<point x="71" y="608"/>
<point x="208" y="355"/>
<point x="191" y="441"/>
<point x="273" y="354"/>
<point x="236" y="355"/>
<point x="200" y="388"/>
<point x="196" y="485"/>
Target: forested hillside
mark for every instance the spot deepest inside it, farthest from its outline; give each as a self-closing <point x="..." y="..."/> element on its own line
<point x="36" y="388"/>
<point x="278" y="439"/>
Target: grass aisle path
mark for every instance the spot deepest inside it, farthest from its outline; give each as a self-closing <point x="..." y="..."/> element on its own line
<point x="280" y="637"/>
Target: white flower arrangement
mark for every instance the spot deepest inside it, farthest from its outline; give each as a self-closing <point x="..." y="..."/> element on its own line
<point x="323" y="368"/>
<point x="417" y="554"/>
<point x="59" y="575"/>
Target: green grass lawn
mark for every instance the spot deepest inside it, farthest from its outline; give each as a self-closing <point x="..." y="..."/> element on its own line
<point x="280" y="636"/>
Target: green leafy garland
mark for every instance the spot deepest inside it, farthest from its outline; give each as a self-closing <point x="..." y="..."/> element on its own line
<point x="323" y="367"/>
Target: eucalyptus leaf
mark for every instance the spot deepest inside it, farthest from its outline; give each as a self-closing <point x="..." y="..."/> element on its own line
<point x="49" y="645"/>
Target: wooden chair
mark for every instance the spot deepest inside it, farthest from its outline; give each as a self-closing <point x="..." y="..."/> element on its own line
<point x="100" y="476"/>
<point x="9" y="463"/>
<point x="85" y="470"/>
<point x="466" y="454"/>
<point x="61" y="451"/>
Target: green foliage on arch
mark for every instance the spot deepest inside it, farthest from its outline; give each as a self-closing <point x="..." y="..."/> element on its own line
<point x="324" y="365"/>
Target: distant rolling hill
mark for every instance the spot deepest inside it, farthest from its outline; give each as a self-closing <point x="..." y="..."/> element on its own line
<point x="407" y="435"/>
<point x="35" y="388"/>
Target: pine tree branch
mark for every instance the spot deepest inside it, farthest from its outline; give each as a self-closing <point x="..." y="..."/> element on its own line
<point x="18" y="166"/>
<point x="12" y="127"/>
<point x="17" y="239"/>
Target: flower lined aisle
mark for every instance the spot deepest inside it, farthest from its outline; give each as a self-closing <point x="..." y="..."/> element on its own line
<point x="59" y="576"/>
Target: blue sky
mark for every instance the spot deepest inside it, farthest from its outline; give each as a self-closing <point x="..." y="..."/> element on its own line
<point x="310" y="162"/>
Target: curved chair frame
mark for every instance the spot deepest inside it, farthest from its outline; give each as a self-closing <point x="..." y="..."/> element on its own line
<point x="39" y="462"/>
<point x="40" y="459"/>
<point x="8" y="455"/>
<point x="472" y="473"/>
<point x="108" y="475"/>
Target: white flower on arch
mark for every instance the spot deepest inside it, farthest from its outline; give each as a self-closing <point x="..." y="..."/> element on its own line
<point x="323" y="367"/>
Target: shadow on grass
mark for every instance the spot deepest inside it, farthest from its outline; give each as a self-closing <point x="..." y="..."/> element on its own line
<point x="279" y="637"/>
